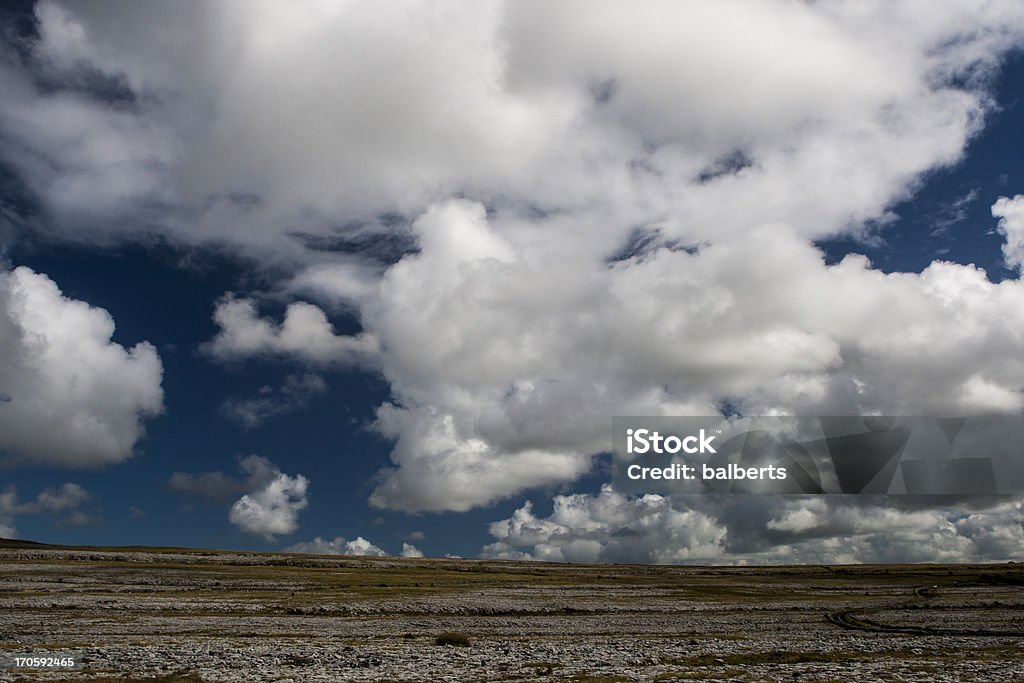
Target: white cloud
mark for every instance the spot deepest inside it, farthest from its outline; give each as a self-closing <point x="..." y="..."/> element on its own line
<point x="273" y="509"/>
<point x="1011" y="226"/>
<point x="361" y="546"/>
<point x="409" y="550"/>
<point x="338" y="546"/>
<point x="61" y="504"/>
<point x="270" y="502"/>
<point x="505" y="372"/>
<point x="53" y="501"/>
<point x="305" y="333"/>
<point x="8" y="508"/>
<point x="705" y="144"/>
<point x="272" y="402"/>
<point x="72" y="396"/>
<point x="608" y="527"/>
<point x="609" y="117"/>
<point x="814" y="530"/>
<point x="612" y="527"/>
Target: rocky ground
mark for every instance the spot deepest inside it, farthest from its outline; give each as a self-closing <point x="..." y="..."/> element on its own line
<point x="208" y="616"/>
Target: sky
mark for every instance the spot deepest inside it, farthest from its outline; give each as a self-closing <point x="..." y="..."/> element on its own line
<point x="373" y="278"/>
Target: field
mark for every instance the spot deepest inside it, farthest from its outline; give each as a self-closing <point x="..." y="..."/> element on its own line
<point x="177" y="615"/>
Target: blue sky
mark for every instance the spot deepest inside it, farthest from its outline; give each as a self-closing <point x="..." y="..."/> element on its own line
<point x="373" y="285"/>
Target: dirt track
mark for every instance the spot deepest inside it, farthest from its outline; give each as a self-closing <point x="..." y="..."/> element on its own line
<point x="235" y="616"/>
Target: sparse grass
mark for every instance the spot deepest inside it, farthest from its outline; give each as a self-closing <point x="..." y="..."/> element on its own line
<point x="452" y="638"/>
<point x="722" y="675"/>
<point x="181" y="677"/>
<point x="299" y="660"/>
<point x="775" y="657"/>
<point x="543" y="665"/>
<point x="246" y="598"/>
<point x="783" y="658"/>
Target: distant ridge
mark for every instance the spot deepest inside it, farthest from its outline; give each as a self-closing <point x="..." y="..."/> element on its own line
<point x="18" y="543"/>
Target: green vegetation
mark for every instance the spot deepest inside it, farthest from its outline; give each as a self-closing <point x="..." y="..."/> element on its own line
<point x="524" y="617"/>
<point x="452" y="638"/>
<point x="718" y="675"/>
<point x="182" y="677"/>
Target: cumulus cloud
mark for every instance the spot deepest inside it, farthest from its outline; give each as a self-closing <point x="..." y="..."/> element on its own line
<point x="505" y="372"/>
<point x="585" y="108"/>
<point x="53" y="501"/>
<point x="1010" y="212"/>
<point x="270" y="502"/>
<point x="305" y="334"/>
<point x="599" y="210"/>
<point x="62" y="504"/>
<point x="609" y="527"/>
<point x="409" y="550"/>
<point x="338" y="546"/>
<point x="271" y="402"/>
<point x="272" y="509"/>
<point x="72" y="397"/>
<point x="8" y="507"/>
<point x="612" y="527"/>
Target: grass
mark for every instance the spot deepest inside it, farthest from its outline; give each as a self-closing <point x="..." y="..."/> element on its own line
<point x="452" y="638"/>
<point x="182" y="677"/>
<point x="774" y="657"/>
<point x="727" y="674"/>
<point x="203" y="596"/>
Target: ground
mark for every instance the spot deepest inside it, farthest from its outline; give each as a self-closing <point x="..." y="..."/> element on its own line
<point x="178" y="615"/>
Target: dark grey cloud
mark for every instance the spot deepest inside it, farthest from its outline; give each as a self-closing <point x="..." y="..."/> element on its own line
<point x="270" y="402"/>
<point x="62" y="504"/>
<point x="218" y="487"/>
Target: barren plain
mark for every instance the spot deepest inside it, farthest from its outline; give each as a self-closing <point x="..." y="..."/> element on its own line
<point x="188" y="615"/>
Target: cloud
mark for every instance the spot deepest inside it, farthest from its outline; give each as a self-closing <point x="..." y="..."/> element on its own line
<point x="1010" y="213"/>
<point x="598" y="210"/>
<point x="608" y="527"/>
<point x="612" y="527"/>
<point x="338" y="546"/>
<point x="505" y="371"/>
<point x="8" y="508"/>
<point x="273" y="509"/>
<point x="61" y="504"/>
<point x="409" y="550"/>
<point x="270" y="502"/>
<point x="291" y="396"/>
<point x="53" y="501"/>
<point x="72" y="396"/>
<point x="952" y="213"/>
<point x="88" y="159"/>
<point x="305" y="334"/>
<point x="123" y="111"/>
<point x="218" y="487"/>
